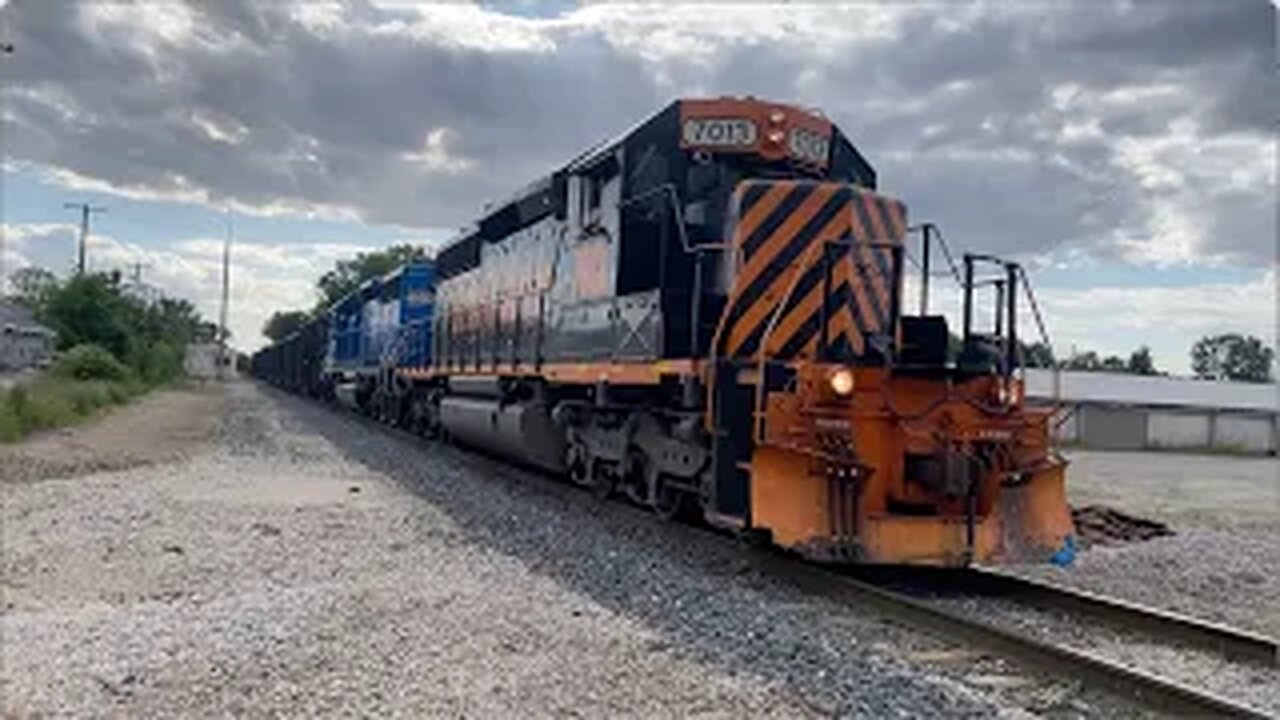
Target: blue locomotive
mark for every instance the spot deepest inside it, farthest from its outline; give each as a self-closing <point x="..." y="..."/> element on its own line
<point x="351" y="351"/>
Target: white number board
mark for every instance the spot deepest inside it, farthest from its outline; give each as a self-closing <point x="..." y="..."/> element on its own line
<point x="808" y="145"/>
<point x="719" y="132"/>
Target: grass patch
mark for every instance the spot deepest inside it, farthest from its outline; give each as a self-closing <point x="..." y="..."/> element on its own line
<point x="54" y="401"/>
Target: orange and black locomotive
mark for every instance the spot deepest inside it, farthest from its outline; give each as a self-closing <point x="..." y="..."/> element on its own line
<point x="706" y="316"/>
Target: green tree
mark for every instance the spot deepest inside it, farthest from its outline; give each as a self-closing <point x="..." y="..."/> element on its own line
<point x="32" y="286"/>
<point x="1232" y="356"/>
<point x="1087" y="361"/>
<point x="282" y="324"/>
<point x="1111" y="363"/>
<point x="347" y="275"/>
<point x="91" y="309"/>
<point x="1141" y="363"/>
<point x="147" y="337"/>
<point x="175" y="320"/>
<point x="1037" y="355"/>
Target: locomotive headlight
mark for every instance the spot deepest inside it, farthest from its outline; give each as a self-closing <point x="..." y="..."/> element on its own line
<point x="776" y="137"/>
<point x="841" y="381"/>
<point x="1007" y="392"/>
<point x="776" y="117"/>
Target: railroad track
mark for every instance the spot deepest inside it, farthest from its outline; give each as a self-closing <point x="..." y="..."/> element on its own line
<point x="877" y="590"/>
<point x="881" y="591"/>
<point x="1215" y="637"/>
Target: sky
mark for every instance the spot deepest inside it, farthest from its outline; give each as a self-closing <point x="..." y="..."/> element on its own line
<point x="1124" y="152"/>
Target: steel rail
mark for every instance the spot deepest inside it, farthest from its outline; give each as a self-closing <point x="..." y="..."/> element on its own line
<point x="1231" y="642"/>
<point x="1147" y="689"/>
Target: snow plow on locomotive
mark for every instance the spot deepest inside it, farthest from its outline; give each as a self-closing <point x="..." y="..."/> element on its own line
<point x="707" y="317"/>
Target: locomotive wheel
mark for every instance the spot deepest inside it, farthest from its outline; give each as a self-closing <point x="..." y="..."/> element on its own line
<point x="579" y="464"/>
<point x="603" y="480"/>
<point x="667" y="501"/>
<point x="640" y="478"/>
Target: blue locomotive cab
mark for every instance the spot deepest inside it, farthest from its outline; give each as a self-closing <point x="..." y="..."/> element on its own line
<point x="345" y="335"/>
<point x="386" y="322"/>
<point x="417" y="298"/>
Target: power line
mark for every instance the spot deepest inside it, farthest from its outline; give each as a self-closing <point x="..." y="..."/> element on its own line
<point x="85" y="211"/>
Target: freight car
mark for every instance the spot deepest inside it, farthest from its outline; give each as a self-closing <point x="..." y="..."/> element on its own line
<point x="706" y="316"/>
<point x="296" y="363"/>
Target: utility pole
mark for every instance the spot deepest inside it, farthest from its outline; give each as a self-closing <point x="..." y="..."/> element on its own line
<point x="136" y="269"/>
<point x="135" y="280"/>
<point x="4" y="261"/>
<point x="85" y="211"/>
<point x="6" y="48"/>
<point x="226" y="297"/>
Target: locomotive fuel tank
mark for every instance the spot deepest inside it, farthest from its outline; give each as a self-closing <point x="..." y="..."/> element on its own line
<point x="521" y="431"/>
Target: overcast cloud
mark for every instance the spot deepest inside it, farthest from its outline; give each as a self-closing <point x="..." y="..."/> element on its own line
<point x="1134" y="131"/>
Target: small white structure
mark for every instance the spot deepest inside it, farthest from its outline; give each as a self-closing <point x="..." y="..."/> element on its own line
<point x="24" y="343"/>
<point x="201" y="360"/>
<point x="1135" y="412"/>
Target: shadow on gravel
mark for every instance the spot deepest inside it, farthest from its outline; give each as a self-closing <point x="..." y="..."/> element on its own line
<point x="705" y="594"/>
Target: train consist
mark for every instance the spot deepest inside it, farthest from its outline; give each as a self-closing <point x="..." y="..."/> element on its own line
<point x="706" y="316"/>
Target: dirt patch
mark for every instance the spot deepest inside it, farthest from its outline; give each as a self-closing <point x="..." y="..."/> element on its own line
<point x="1102" y="525"/>
<point x="161" y="427"/>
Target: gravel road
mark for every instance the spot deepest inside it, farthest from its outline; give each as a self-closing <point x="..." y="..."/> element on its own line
<point x="299" y="562"/>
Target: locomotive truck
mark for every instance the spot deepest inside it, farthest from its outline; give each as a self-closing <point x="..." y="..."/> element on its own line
<point x="706" y="316"/>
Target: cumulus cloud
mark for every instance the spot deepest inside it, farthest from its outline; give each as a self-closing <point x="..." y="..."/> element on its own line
<point x="1135" y="129"/>
<point x="28" y="244"/>
<point x="1061" y="133"/>
<point x="1187" y="311"/>
<point x="265" y="276"/>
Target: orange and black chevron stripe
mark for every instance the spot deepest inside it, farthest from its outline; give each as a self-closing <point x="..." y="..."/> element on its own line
<point x="779" y="223"/>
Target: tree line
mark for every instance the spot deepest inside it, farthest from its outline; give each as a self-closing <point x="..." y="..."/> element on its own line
<point x="147" y="338"/>
<point x="1226" y="356"/>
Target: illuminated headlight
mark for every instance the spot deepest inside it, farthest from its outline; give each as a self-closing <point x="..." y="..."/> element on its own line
<point x="776" y="117"/>
<point x="1002" y="393"/>
<point x="841" y="381"/>
<point x="775" y="137"/>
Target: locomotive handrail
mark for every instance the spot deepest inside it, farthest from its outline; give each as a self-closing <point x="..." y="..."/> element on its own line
<point x="1044" y="337"/>
<point x="757" y="419"/>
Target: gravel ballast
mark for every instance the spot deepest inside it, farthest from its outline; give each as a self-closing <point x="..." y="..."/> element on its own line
<point x="295" y="560"/>
<point x="301" y="562"/>
<point x="1221" y="563"/>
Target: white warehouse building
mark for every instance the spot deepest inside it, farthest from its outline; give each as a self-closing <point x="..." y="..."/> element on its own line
<point x="1134" y="412"/>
